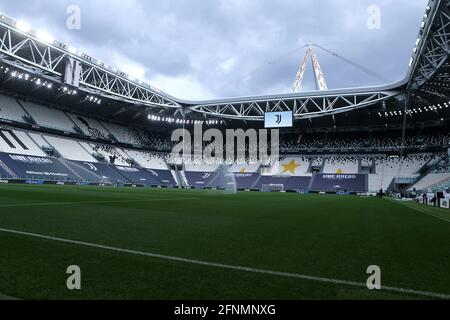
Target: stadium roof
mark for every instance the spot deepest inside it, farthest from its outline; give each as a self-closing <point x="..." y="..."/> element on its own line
<point x="26" y="52"/>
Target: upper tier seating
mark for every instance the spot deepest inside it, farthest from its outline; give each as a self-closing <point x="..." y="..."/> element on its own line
<point x="122" y="134"/>
<point x="90" y="127"/>
<point x="50" y="118"/>
<point x="10" y="109"/>
<point x="379" y="140"/>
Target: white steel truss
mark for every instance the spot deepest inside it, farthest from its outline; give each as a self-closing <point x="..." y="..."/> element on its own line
<point x="302" y="107"/>
<point x="22" y="49"/>
<point x="433" y="47"/>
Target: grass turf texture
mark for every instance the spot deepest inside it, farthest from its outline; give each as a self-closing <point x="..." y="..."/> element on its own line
<point x="335" y="237"/>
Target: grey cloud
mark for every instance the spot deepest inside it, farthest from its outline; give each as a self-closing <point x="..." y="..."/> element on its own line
<point x="179" y="38"/>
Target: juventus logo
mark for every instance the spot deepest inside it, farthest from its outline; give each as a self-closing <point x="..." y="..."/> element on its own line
<point x="279" y="118"/>
<point x="153" y="173"/>
<point x="206" y="176"/>
<point x="91" y="166"/>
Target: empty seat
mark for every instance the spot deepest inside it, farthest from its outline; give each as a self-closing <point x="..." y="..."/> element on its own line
<point x="50" y="118"/>
<point x="10" y="109"/>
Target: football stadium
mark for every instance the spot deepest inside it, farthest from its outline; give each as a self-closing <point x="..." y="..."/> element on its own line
<point x="113" y="189"/>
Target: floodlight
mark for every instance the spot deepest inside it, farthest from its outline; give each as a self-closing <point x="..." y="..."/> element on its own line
<point x="23" y="26"/>
<point x="45" y="37"/>
<point x="73" y="50"/>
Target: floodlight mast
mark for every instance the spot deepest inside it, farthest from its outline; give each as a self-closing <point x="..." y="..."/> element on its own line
<point x="318" y="74"/>
<point x="301" y="73"/>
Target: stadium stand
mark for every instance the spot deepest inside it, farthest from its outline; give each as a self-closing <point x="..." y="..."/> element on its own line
<point x="49" y="118"/>
<point x="10" y="109"/>
<point x="90" y="127"/>
<point x="377" y="141"/>
<point x="324" y="172"/>
<point x="430" y="180"/>
<point x="298" y="184"/>
<point x="292" y="166"/>
<point x="334" y="162"/>
<point x="3" y="173"/>
<point x="69" y="149"/>
<point x="245" y="168"/>
<point x="339" y="183"/>
<point x="97" y="172"/>
<point x="37" y="168"/>
<point x="39" y="140"/>
<point x="122" y="134"/>
<point x="137" y="176"/>
<point x="18" y="142"/>
<point x="149" y="160"/>
<point x="115" y="155"/>
<point x="165" y="177"/>
<point x="341" y="165"/>
<point x="246" y="180"/>
<point x="389" y="168"/>
<point x="200" y="179"/>
<point x="105" y="153"/>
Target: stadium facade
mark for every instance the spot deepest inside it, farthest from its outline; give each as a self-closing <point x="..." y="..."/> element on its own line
<point x="65" y="118"/>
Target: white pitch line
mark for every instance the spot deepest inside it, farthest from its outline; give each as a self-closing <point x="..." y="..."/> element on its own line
<point x="230" y="267"/>
<point x="421" y="210"/>
<point x="89" y="202"/>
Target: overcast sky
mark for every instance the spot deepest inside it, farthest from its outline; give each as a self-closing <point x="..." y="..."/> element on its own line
<point x="199" y="49"/>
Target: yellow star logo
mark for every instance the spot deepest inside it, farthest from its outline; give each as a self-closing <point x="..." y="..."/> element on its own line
<point x="242" y="170"/>
<point x="290" y="167"/>
<point x="339" y="171"/>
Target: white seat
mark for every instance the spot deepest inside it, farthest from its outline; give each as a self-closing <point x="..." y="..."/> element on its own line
<point x="69" y="149"/>
<point x="10" y="109"/>
<point x="50" y="118"/>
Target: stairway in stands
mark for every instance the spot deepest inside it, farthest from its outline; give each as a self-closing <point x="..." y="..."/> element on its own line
<point x="181" y="178"/>
<point x="8" y="170"/>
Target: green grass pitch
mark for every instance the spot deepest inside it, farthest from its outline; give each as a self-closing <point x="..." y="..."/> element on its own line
<point x="332" y="237"/>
